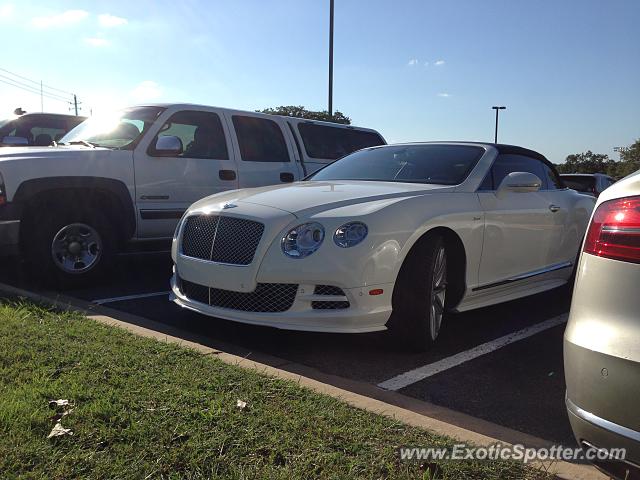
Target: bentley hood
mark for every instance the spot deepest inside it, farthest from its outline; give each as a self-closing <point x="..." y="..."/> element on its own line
<point x="309" y="196"/>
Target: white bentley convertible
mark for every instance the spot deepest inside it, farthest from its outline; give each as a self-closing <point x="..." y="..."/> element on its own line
<point x="387" y="237"/>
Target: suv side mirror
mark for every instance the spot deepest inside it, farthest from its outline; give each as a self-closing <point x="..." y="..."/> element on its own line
<point x="168" y="146"/>
<point x="15" y="141"/>
<point x="519" y="182"/>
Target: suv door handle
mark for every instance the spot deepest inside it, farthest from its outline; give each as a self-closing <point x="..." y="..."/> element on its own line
<point x="554" y="208"/>
<point x="227" y="175"/>
<point x="286" y="177"/>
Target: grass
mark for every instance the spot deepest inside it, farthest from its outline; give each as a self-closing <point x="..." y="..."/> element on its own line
<point x="146" y="409"/>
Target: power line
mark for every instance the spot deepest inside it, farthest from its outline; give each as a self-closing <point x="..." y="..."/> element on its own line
<point x="35" y="82"/>
<point x="35" y="91"/>
<point x="28" y="88"/>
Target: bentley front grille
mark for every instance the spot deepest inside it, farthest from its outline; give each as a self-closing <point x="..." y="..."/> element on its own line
<point x="267" y="297"/>
<point x="221" y="239"/>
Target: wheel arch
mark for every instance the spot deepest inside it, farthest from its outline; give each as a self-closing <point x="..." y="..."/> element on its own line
<point x="456" y="261"/>
<point x="110" y="195"/>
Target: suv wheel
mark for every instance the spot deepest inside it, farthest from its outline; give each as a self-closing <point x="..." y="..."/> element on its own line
<point x="71" y="247"/>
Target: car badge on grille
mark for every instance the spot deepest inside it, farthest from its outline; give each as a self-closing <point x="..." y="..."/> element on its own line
<point x="229" y="205"/>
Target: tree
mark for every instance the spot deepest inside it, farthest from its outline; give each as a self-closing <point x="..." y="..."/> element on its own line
<point x="300" y="112"/>
<point x="589" y="162"/>
<point x="629" y="161"/>
<point x="586" y="162"/>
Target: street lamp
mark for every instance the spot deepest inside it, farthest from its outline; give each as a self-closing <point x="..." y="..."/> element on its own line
<point x="497" y="109"/>
<point x="330" y="57"/>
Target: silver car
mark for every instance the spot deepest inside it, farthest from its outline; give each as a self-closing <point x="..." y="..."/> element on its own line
<point x="602" y="339"/>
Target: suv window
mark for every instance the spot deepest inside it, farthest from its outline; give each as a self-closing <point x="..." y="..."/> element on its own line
<point x="324" y="141"/>
<point x="260" y="140"/>
<point x="580" y="183"/>
<point x="201" y="134"/>
<point x="508" y="163"/>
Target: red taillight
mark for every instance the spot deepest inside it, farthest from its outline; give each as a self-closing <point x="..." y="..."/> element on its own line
<point x="614" y="231"/>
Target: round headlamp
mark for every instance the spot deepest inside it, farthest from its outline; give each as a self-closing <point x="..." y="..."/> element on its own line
<point x="350" y="234"/>
<point x="303" y="240"/>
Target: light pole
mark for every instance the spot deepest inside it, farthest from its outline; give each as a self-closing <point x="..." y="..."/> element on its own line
<point x="497" y="109"/>
<point x="330" y="57"/>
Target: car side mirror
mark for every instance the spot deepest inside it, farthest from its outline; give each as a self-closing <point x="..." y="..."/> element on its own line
<point x="168" y="146"/>
<point x="12" y="141"/>
<point x="519" y="182"/>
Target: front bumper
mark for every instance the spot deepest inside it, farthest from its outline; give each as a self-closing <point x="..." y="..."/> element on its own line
<point x="366" y="313"/>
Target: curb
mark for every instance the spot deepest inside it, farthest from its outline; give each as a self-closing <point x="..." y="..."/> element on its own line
<point x="361" y="395"/>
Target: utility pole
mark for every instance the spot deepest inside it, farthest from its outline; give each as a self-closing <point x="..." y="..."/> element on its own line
<point x="330" y="57"/>
<point x="75" y="103"/>
<point x="621" y="150"/>
<point x="497" y="109"/>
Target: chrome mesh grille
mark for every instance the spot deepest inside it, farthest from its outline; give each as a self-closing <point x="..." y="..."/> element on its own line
<point x="198" y="234"/>
<point x="193" y="291"/>
<point x="267" y="297"/>
<point x="329" y="304"/>
<point x="221" y="239"/>
<point x="328" y="290"/>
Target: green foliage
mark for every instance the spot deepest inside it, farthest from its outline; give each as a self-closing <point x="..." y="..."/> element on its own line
<point x="589" y="162"/>
<point x="300" y="112"/>
<point x="629" y="161"/>
<point x="149" y="409"/>
<point x="586" y="162"/>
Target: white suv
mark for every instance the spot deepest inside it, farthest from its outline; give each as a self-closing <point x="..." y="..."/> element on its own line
<point x="130" y="176"/>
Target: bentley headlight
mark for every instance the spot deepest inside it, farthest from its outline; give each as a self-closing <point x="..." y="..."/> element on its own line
<point x="350" y="234"/>
<point x="303" y="240"/>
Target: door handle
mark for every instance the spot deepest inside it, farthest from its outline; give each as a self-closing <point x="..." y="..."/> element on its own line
<point x="286" y="177"/>
<point x="227" y="175"/>
<point x="554" y="208"/>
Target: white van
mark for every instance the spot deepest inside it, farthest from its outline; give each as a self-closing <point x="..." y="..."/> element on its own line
<point x="129" y="176"/>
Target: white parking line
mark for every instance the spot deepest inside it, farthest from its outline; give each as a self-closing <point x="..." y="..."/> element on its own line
<point x="420" y="373"/>
<point x="129" y="297"/>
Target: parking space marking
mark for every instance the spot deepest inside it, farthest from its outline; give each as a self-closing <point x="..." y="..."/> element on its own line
<point x="129" y="297"/>
<point x="426" y="371"/>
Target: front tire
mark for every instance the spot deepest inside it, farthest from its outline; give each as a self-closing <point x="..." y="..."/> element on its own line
<point x="69" y="248"/>
<point x="419" y="295"/>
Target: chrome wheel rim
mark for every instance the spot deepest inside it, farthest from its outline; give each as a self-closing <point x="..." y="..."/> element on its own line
<point x="76" y="248"/>
<point x="438" y="292"/>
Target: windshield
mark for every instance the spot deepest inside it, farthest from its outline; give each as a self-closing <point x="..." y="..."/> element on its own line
<point x="6" y="125"/>
<point x="439" y="164"/>
<point x="5" y="121"/>
<point x="117" y="130"/>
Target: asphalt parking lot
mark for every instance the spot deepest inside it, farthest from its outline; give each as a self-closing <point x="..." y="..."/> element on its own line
<point x="518" y="384"/>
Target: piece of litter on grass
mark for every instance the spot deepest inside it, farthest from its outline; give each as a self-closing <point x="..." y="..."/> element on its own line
<point x="241" y="405"/>
<point x="58" y="431"/>
<point x="59" y="403"/>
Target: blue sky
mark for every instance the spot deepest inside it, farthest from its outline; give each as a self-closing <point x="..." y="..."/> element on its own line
<point x="568" y="71"/>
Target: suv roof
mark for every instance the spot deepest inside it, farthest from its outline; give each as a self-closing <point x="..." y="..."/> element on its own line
<point x="267" y="115"/>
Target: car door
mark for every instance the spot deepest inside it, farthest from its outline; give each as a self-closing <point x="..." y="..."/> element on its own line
<point x="265" y="157"/>
<point x="523" y="230"/>
<point x="567" y="234"/>
<point x="167" y="185"/>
